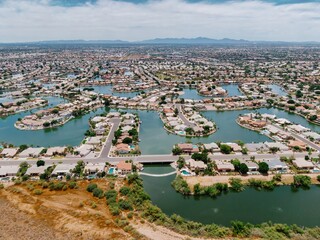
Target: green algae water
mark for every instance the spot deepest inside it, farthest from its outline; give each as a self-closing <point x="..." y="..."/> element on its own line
<point x="281" y="205"/>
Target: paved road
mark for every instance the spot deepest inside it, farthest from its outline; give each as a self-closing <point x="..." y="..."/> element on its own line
<point x="108" y="144"/>
<point x="104" y="155"/>
<point x="159" y="158"/>
<point x="183" y="118"/>
<point x="299" y="137"/>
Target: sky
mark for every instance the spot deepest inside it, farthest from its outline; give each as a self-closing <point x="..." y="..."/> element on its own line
<point x="134" y="20"/>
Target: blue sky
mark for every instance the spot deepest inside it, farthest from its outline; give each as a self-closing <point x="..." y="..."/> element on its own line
<point x="283" y="20"/>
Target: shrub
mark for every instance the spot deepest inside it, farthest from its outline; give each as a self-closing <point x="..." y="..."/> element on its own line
<point x="301" y="181"/>
<point x="111" y="194"/>
<point x="240" y="229"/>
<point x="45" y="185"/>
<point x="37" y="192"/>
<point x="1" y="186"/>
<point x="114" y="209"/>
<point x="73" y="185"/>
<point x="318" y="178"/>
<point x="91" y="187"/>
<point x="277" y="177"/>
<point x="180" y="185"/>
<point x="59" y="186"/>
<point x="130" y="215"/>
<point x="125" y="205"/>
<point x="236" y="184"/>
<point x="25" y="178"/>
<point x="124" y="190"/>
<point x="97" y="192"/>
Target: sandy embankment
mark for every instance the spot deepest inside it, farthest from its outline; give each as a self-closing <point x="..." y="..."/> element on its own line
<point x="286" y="179"/>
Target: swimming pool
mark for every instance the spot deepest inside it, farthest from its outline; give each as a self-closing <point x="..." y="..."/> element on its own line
<point x="185" y="172"/>
<point x="111" y="171"/>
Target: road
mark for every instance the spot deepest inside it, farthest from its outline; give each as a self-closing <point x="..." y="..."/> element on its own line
<point x="183" y="118"/>
<point x="108" y="144"/>
<point x="160" y="158"/>
<point x="297" y="136"/>
<point x="105" y="157"/>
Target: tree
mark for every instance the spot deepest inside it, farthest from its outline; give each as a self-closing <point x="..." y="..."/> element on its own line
<point x="176" y="151"/>
<point x="23" y="147"/>
<point x="299" y="94"/>
<point x="274" y="149"/>
<point x="55" y="111"/>
<point x="243" y="168"/>
<point x="226" y="149"/>
<point x="23" y="167"/>
<point x="40" y="163"/>
<point x="313" y="117"/>
<point x="78" y="169"/>
<point x="263" y="168"/>
<point x="236" y="163"/>
<point x="189" y="131"/>
<point x="127" y="140"/>
<point x="181" y="162"/>
<point x="46" y="124"/>
<point x="117" y="133"/>
<point x="200" y="157"/>
<point x="292" y="108"/>
<point x="133" y="132"/>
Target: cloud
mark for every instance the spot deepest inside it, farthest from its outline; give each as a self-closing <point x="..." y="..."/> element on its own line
<point x="22" y="20"/>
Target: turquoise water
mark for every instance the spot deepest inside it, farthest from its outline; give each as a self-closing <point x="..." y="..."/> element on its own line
<point x="184" y="172"/>
<point x="111" y="171"/>
<point x="280" y="205"/>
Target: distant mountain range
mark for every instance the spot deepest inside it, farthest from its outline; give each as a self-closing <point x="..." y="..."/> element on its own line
<point x="172" y="41"/>
<point x="198" y="40"/>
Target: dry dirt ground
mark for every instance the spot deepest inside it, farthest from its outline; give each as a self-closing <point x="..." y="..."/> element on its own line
<point x="70" y="214"/>
<point x="55" y="215"/>
<point x="209" y="180"/>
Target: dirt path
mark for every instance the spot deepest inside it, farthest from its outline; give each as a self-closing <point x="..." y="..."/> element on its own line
<point x="209" y="180"/>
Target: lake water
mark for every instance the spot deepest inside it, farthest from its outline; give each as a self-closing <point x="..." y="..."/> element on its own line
<point x="154" y="138"/>
<point x="191" y="93"/>
<point x="70" y="133"/>
<point x="280" y="205"/>
<point x="107" y="89"/>
<point x="277" y="89"/>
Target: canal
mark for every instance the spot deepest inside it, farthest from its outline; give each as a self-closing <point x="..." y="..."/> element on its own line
<point x="281" y="205"/>
<point x="72" y="132"/>
<point x="191" y="93"/>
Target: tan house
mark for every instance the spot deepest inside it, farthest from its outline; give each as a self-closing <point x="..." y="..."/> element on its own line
<point x="188" y="147"/>
<point x="124" y="167"/>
